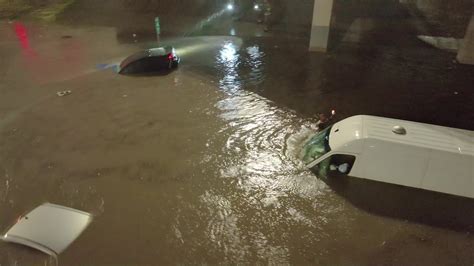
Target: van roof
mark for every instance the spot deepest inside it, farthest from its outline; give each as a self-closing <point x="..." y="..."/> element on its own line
<point x="363" y="127"/>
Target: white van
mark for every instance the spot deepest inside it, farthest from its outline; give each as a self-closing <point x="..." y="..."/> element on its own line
<point x="395" y="151"/>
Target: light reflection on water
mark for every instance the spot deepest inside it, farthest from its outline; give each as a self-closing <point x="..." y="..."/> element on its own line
<point x="256" y="64"/>
<point x="260" y="158"/>
<point x="228" y="62"/>
<point x="265" y="137"/>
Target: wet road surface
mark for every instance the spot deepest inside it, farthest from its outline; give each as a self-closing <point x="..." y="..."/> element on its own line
<point x="202" y="165"/>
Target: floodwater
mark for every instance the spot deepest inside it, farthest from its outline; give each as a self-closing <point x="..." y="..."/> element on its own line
<point x="200" y="165"/>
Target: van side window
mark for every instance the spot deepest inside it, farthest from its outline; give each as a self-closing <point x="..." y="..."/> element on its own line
<point x="335" y="166"/>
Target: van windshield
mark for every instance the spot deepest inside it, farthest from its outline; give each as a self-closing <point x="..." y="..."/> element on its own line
<point x="317" y="146"/>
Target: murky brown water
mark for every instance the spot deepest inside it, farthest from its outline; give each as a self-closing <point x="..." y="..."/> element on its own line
<point x="192" y="167"/>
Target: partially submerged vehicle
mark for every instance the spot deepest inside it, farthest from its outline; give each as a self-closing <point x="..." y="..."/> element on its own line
<point x="395" y="151"/>
<point x="49" y="228"/>
<point x="150" y="60"/>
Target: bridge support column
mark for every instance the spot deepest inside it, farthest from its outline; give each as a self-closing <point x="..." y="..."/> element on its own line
<point x="466" y="52"/>
<point x="320" y="27"/>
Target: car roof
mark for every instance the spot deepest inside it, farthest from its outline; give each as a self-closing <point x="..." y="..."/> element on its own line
<point x="158" y="51"/>
<point x="49" y="228"/>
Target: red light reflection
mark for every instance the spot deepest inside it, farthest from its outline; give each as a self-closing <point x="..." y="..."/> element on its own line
<point x="22" y="35"/>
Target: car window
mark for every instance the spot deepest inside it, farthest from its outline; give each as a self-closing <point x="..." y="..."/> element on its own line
<point x="317" y="146"/>
<point x="336" y="165"/>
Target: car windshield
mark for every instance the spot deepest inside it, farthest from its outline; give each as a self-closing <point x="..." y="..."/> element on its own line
<point x="317" y="146"/>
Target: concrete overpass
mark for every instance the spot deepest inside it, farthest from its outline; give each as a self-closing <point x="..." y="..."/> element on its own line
<point x="321" y="27"/>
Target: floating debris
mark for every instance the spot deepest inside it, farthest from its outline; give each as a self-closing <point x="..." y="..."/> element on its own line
<point x="63" y="93"/>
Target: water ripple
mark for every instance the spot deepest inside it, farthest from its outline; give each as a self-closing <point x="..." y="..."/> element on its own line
<point x="259" y="158"/>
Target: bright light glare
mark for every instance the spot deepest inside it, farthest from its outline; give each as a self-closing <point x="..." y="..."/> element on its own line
<point x="256" y="7"/>
<point x="228" y="53"/>
<point x="191" y="48"/>
<point x="230" y="7"/>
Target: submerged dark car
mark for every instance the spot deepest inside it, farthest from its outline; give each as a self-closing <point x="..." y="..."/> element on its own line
<point x="150" y="60"/>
